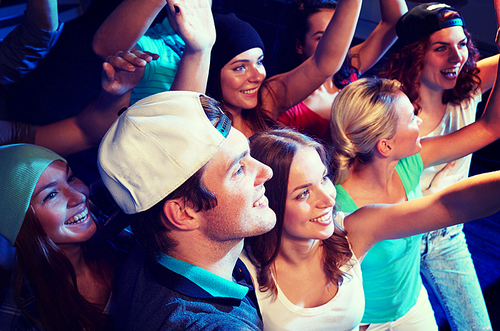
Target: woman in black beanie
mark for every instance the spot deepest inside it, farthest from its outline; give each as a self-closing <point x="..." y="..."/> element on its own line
<point x="237" y="74"/>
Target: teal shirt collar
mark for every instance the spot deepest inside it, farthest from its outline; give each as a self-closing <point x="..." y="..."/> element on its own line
<point x="213" y="284"/>
<point x="167" y="27"/>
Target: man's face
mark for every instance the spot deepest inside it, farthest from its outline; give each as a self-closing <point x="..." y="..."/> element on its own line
<point x="237" y="180"/>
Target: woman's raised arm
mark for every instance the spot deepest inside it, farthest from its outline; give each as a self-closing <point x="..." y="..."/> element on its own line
<point x="287" y="89"/>
<point x="470" y="199"/>
<point x="369" y="52"/>
<point x="442" y="149"/>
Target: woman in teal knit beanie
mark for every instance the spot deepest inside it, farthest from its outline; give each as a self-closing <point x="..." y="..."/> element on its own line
<point x="59" y="281"/>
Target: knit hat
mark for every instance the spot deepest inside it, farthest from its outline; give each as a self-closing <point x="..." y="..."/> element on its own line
<point x="20" y="168"/>
<point x="234" y="37"/>
<point x="426" y="19"/>
<point x="155" y="146"/>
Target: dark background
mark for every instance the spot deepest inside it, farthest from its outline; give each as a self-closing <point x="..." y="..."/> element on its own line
<point x="70" y="78"/>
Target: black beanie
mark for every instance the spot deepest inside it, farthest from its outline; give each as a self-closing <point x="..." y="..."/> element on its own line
<point x="234" y="37"/>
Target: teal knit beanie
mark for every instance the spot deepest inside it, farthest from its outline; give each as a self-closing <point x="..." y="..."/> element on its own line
<point x="21" y="165"/>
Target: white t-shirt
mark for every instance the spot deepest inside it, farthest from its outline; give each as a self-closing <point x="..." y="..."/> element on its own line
<point x="342" y="313"/>
<point x="455" y="118"/>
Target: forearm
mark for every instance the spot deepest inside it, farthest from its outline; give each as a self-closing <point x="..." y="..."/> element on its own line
<point x="23" y="48"/>
<point x="441" y="149"/>
<point x="491" y="115"/>
<point x="125" y="26"/>
<point x="16" y="133"/>
<point x="472" y="198"/>
<point x="84" y="130"/>
<point x="43" y="14"/>
<point x="333" y="46"/>
<point x="195" y="25"/>
<point x="286" y="90"/>
<point x="497" y="16"/>
<point x="95" y="120"/>
<point x="369" y="52"/>
<point x="192" y="73"/>
<point x="392" y="10"/>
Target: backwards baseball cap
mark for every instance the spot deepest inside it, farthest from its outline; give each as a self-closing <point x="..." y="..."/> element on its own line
<point x="426" y="19"/>
<point x="155" y="146"/>
<point x="21" y="167"/>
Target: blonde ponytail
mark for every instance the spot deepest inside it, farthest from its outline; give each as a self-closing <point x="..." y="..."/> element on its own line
<point x="362" y="114"/>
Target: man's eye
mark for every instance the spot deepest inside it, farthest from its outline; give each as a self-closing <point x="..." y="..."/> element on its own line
<point x="240" y="170"/>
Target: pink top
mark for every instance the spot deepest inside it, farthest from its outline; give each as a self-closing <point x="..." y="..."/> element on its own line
<point x="303" y="119"/>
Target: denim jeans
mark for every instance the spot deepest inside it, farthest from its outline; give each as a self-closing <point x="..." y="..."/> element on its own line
<point x="447" y="266"/>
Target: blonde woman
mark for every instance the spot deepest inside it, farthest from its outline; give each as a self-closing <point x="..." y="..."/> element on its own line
<point x="380" y="158"/>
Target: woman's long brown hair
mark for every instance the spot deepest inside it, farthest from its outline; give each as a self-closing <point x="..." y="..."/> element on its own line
<point x="52" y="276"/>
<point x="277" y="148"/>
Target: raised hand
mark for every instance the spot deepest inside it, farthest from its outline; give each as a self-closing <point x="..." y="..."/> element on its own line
<point x="195" y="25"/>
<point x="194" y="22"/>
<point x="123" y="71"/>
<point x="444" y="178"/>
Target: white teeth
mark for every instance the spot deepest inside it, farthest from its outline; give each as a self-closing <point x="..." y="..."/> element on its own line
<point x="260" y="201"/>
<point x="250" y="91"/>
<point x="450" y="72"/>
<point x="321" y="219"/>
<point x="77" y="218"/>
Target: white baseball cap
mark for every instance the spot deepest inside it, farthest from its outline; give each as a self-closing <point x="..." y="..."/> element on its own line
<point x="155" y="146"/>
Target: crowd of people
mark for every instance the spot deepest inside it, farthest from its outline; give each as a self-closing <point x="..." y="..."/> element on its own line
<point x="315" y="199"/>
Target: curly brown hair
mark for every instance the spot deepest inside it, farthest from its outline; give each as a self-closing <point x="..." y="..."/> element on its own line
<point x="406" y="66"/>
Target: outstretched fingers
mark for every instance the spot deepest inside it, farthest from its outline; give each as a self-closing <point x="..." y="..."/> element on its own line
<point x="123" y="71"/>
<point x="194" y="22"/>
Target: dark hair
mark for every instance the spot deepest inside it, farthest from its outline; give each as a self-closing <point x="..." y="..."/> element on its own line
<point x="406" y="66"/>
<point x="277" y="148"/>
<point x="296" y="29"/>
<point x="148" y="227"/>
<point x="52" y="276"/>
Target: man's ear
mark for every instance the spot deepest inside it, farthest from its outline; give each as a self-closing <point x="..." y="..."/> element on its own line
<point x="384" y="147"/>
<point x="179" y="215"/>
<point x="298" y="47"/>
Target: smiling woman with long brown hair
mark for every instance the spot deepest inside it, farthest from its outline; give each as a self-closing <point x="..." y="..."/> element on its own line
<point x="60" y="281"/>
<point x="306" y="270"/>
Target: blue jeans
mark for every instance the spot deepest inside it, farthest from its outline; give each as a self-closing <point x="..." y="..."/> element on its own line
<point x="447" y="266"/>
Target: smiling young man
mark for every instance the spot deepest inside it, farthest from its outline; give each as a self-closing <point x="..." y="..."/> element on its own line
<point x="196" y="193"/>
